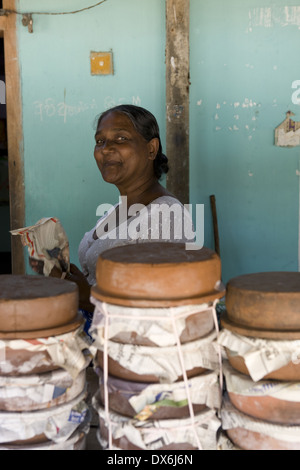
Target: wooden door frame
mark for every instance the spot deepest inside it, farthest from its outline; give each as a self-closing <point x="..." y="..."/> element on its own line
<point x="8" y="30"/>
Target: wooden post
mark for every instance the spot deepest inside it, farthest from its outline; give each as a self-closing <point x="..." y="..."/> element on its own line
<point x="177" y="97"/>
<point x="14" y="136"/>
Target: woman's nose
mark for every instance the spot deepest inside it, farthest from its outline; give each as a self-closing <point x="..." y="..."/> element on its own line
<point x="101" y="148"/>
<point x="106" y="145"/>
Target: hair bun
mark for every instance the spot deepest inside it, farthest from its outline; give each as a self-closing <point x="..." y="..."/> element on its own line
<point x="160" y="164"/>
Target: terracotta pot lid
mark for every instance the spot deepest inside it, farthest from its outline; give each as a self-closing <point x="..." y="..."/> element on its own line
<point x="227" y="323"/>
<point x="158" y="274"/>
<point x="36" y="303"/>
<point x="265" y="301"/>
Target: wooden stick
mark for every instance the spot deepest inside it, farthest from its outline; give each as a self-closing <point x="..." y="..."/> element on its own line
<point x="215" y="223"/>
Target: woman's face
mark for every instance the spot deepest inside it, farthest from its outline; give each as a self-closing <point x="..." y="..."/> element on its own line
<point x="123" y="156"/>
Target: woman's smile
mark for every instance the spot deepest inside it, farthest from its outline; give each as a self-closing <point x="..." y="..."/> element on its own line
<point x="110" y="163"/>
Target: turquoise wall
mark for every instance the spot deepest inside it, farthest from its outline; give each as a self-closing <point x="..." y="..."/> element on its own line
<point x="243" y="63"/>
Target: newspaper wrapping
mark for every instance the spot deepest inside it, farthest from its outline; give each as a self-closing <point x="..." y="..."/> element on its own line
<point x="77" y="441"/>
<point x="57" y="423"/>
<point x="261" y="356"/>
<point x="140" y="320"/>
<point x="70" y="351"/>
<point x="242" y="384"/>
<point x="233" y="418"/>
<point x="156" y="434"/>
<point x="47" y="243"/>
<point x="145" y="399"/>
<point x="147" y="360"/>
<point x="40" y="391"/>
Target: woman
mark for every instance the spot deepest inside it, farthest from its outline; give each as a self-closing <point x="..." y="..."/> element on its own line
<point x="128" y="153"/>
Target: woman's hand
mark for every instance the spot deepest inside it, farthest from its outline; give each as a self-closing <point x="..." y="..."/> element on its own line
<point x="75" y="275"/>
<point x="36" y="265"/>
<point x="84" y="287"/>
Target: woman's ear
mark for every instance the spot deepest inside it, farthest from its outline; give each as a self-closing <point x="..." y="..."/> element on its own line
<point x="153" y="146"/>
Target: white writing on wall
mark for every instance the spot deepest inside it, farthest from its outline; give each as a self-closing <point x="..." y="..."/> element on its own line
<point x="50" y="108"/>
<point x="268" y="17"/>
<point x="110" y="102"/>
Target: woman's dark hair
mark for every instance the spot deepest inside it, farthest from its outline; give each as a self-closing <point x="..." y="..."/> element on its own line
<point x="146" y="125"/>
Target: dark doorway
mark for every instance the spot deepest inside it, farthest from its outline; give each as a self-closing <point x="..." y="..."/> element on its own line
<point x="5" y="245"/>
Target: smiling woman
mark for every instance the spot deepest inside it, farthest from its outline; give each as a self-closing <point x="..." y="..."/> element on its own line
<point x="128" y="153"/>
<point x="139" y="125"/>
<point x="123" y="156"/>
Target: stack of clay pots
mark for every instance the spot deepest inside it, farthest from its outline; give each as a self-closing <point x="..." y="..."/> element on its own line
<point x="157" y="359"/>
<point x="260" y="337"/>
<point x="43" y="360"/>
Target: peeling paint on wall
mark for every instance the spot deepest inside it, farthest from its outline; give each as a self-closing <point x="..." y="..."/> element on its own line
<point x="228" y="121"/>
<point x="287" y="134"/>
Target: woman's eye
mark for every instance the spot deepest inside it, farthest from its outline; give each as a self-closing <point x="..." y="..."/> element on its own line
<point x="117" y="140"/>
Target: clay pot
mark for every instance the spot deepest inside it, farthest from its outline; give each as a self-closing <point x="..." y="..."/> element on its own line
<point x="75" y="442"/>
<point x="290" y="372"/>
<point x="35" y="427"/>
<point x="268" y="400"/>
<point x="23" y="357"/>
<point x="198" y="325"/>
<point x="157" y="274"/>
<point x="37" y="440"/>
<point x="123" y="443"/>
<point x="34" y="306"/>
<point x="265" y="301"/>
<point x="163" y="432"/>
<point x="267" y="408"/>
<point x="251" y="440"/>
<point x="258" y="332"/>
<point x="45" y="333"/>
<point x="249" y="433"/>
<point x="40" y="391"/>
<point x="121" y="372"/>
<point x="120" y="392"/>
<point x="23" y="362"/>
<point x="118" y="404"/>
